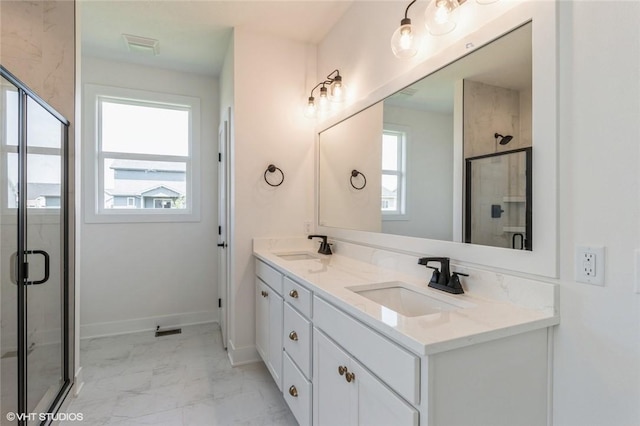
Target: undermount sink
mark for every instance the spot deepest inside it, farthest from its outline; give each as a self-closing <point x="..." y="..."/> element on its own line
<point x="407" y="300"/>
<point x="297" y="256"/>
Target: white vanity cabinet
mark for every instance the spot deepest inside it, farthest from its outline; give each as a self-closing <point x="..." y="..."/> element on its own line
<point x="269" y="317"/>
<point x="297" y="338"/>
<point x="345" y="393"/>
<point x="335" y="365"/>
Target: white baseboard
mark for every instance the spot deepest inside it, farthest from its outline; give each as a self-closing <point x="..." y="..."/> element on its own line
<point x="113" y="328"/>
<point x="244" y="355"/>
<point x="78" y="382"/>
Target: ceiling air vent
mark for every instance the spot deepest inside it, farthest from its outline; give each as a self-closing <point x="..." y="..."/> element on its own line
<point x="142" y="45"/>
<point x="408" y="91"/>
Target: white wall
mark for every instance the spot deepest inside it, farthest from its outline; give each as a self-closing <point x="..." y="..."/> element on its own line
<point x="429" y="173"/>
<point x="353" y="144"/>
<point x="597" y="345"/>
<point x="272" y="77"/>
<point x="597" y="356"/>
<point x="139" y="275"/>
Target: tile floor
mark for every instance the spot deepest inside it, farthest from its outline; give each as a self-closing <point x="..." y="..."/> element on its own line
<point x="183" y="379"/>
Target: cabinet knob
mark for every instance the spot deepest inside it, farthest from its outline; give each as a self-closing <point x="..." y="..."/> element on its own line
<point x="293" y="336"/>
<point x="351" y="377"/>
<point x="264" y="293"/>
<point x="293" y="391"/>
<point x="342" y="369"/>
<point x="294" y="294"/>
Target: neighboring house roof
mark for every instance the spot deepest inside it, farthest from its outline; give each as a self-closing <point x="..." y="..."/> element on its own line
<point x="388" y="192"/>
<point x="35" y="190"/>
<point x="157" y="166"/>
<point x="138" y="188"/>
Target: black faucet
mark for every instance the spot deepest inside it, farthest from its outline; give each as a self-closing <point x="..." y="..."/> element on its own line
<point x="325" y="248"/>
<point x="443" y="279"/>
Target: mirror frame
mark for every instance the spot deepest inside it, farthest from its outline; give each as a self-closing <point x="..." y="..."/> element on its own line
<point x="543" y="260"/>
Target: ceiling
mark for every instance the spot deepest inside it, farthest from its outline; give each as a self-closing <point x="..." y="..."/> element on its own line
<point x="194" y="35"/>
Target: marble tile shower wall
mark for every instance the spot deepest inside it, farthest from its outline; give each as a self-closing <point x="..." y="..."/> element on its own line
<point x="182" y="379"/>
<point x="37" y="45"/>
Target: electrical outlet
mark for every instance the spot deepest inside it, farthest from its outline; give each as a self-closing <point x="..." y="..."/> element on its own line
<point x="307" y="227"/>
<point x="589" y="265"/>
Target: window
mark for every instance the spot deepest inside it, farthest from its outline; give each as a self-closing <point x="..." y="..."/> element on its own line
<point x="146" y="162"/>
<point x="44" y="147"/>
<point x="393" y="174"/>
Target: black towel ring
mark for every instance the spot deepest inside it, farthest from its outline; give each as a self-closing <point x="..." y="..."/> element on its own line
<point x="355" y="173"/>
<point x="272" y="169"/>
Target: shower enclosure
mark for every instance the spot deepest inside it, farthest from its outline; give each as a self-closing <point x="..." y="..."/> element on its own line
<point x="498" y="199"/>
<point x="34" y="297"/>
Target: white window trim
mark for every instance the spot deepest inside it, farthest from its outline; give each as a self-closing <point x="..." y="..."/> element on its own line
<point x="402" y="175"/>
<point x="94" y="211"/>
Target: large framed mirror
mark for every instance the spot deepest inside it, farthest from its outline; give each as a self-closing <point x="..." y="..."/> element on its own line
<point x="460" y="162"/>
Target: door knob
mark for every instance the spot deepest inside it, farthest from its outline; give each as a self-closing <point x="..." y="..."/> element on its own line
<point x="342" y="369"/>
<point x="294" y="294"/>
<point x="293" y="336"/>
<point x="351" y="377"/>
<point x="293" y="391"/>
<point x="264" y="293"/>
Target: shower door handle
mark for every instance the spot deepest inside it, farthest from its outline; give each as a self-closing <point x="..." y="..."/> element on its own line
<point x="14" y="265"/>
<point x="46" y="266"/>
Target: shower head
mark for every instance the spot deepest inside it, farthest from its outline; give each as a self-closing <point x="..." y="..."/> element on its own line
<point x="503" y="139"/>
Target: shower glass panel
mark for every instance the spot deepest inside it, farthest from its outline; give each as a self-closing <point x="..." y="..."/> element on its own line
<point x="34" y="340"/>
<point x="44" y="254"/>
<point x="8" y="248"/>
<point x="498" y="200"/>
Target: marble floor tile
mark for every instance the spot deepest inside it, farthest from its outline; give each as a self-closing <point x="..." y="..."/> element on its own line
<point x="177" y="380"/>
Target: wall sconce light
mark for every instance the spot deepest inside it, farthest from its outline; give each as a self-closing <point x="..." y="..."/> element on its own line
<point x="502" y="140"/>
<point x="441" y="16"/>
<point x="335" y="93"/>
<point x="405" y="41"/>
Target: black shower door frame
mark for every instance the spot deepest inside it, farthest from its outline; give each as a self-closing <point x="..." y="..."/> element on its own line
<point x="24" y="93"/>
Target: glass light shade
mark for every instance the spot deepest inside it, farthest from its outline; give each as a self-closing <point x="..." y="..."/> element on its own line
<point x="338" y="90"/>
<point x="441" y="16"/>
<point x="405" y="41"/>
<point x="311" y="111"/>
<point x="323" y="99"/>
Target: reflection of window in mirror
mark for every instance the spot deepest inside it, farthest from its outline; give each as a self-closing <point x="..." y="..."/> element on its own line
<point x="393" y="202"/>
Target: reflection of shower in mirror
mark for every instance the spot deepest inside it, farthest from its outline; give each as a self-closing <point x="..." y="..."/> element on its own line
<point x="503" y="139"/>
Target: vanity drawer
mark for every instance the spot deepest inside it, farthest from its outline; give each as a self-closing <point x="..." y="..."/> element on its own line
<point x="269" y="275"/>
<point x="395" y="366"/>
<point x="297" y="339"/>
<point x="297" y="392"/>
<point x="298" y="296"/>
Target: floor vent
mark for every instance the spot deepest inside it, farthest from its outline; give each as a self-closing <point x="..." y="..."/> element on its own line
<point x="168" y="332"/>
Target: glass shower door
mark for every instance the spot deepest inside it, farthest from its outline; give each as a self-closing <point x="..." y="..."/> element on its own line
<point x="8" y="251"/>
<point x="498" y="200"/>
<point x="34" y="297"/>
<point x="44" y="252"/>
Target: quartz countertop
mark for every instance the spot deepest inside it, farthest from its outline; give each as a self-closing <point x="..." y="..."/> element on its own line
<point x="330" y="276"/>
